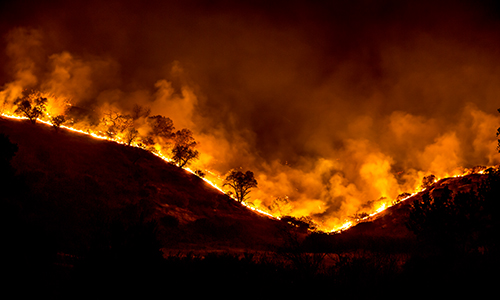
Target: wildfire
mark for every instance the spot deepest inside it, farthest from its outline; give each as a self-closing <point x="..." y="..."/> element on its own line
<point x="349" y="223"/>
<point x="215" y="178"/>
<point x="118" y="140"/>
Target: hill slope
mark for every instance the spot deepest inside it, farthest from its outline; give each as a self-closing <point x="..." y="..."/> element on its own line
<point x="74" y="187"/>
<point x="391" y="223"/>
<point x="90" y="202"/>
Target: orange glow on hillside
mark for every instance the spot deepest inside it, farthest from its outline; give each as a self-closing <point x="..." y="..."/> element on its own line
<point x="118" y="140"/>
<point x="349" y="223"/>
<point x="342" y="227"/>
<point x="376" y="170"/>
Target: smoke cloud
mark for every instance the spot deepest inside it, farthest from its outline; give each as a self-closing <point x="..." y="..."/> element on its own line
<point x="338" y="106"/>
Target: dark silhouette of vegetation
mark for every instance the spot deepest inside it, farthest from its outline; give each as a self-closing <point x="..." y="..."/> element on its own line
<point x="183" y="151"/>
<point x="161" y="131"/>
<point x="484" y="217"/>
<point x="457" y="236"/>
<point x="280" y="206"/>
<point x="200" y="173"/>
<point x="139" y="111"/>
<point x="241" y="183"/>
<point x="57" y="121"/>
<point x="400" y="197"/>
<point x="123" y="258"/>
<point x="463" y="222"/>
<point x="359" y="216"/>
<point x="427" y="181"/>
<point x="303" y="223"/>
<point x="131" y="134"/>
<point x="115" y="123"/>
<point x="161" y="127"/>
<point x="31" y="106"/>
<point x="429" y="217"/>
<point x="147" y="143"/>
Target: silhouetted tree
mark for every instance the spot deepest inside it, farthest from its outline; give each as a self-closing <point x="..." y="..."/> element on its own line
<point x="486" y="211"/>
<point x="147" y="142"/>
<point x="183" y="152"/>
<point x="115" y="123"/>
<point x="139" y="111"/>
<point x="280" y="206"/>
<point x="429" y="217"/>
<point x="161" y="133"/>
<point x="131" y="134"/>
<point x="465" y="221"/>
<point x="57" y="121"/>
<point x="161" y="126"/>
<point x="241" y="183"/>
<point x="427" y="181"/>
<point x="400" y="197"/>
<point x="31" y="106"/>
<point x="359" y="216"/>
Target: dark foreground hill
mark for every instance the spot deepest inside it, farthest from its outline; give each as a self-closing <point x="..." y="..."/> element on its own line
<point x="392" y="222"/>
<point x="82" y="217"/>
<point x="440" y="242"/>
<point x="75" y="188"/>
<point x="85" y="218"/>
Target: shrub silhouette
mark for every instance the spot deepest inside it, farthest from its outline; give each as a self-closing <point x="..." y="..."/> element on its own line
<point x="57" y="121"/>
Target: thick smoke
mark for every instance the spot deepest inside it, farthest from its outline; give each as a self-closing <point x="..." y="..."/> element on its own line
<point x="339" y="107"/>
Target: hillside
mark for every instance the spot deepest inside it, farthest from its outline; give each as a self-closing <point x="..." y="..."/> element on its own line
<point x="388" y="229"/>
<point x="84" y="218"/>
<point x="391" y="222"/>
<point x="75" y="188"/>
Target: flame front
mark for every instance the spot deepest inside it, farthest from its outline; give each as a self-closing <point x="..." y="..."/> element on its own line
<point x="385" y="205"/>
<point x="119" y="140"/>
<point x="216" y="179"/>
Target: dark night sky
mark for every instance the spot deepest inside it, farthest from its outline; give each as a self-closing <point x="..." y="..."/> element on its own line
<point x="333" y="103"/>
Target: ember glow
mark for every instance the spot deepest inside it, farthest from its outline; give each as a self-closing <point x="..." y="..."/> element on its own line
<point x="337" y="108"/>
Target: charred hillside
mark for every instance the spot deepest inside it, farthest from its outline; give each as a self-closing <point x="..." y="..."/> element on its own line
<point x="76" y="189"/>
